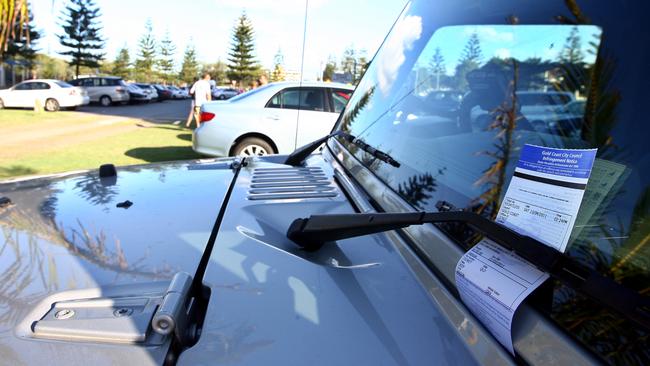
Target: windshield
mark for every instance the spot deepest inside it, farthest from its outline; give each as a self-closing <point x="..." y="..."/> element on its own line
<point x="455" y="105"/>
<point x="63" y="84"/>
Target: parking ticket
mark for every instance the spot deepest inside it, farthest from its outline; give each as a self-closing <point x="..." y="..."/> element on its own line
<point x="542" y="202"/>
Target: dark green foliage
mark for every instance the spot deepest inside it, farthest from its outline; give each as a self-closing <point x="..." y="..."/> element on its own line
<point x="81" y="34"/>
<point x="122" y="64"/>
<point x="190" y="68"/>
<point x="166" y="59"/>
<point x="23" y="46"/>
<point x="242" y="66"/>
<point x="146" y="55"/>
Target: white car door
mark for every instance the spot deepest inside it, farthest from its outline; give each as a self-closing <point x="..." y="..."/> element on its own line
<point x="18" y="95"/>
<point x="279" y="119"/>
<point x="315" y="118"/>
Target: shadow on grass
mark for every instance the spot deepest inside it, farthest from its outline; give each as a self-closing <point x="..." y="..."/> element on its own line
<point x="163" y="153"/>
<point x="185" y="136"/>
<point x="15" y="170"/>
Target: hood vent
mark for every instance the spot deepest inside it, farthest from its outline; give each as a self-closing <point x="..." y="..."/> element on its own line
<point x="288" y="183"/>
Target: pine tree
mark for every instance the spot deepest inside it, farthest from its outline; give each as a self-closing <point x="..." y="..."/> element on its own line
<point x="470" y="60"/>
<point x="166" y="60"/>
<point x="278" y="67"/>
<point x="437" y="66"/>
<point x="190" y="68"/>
<point x="23" y="46"/>
<point x="330" y="69"/>
<point x="349" y="62"/>
<point x="146" y="54"/>
<point x="13" y="14"/>
<point x="242" y="66"/>
<point x="472" y="51"/>
<point x="122" y="64"/>
<point x="572" y="51"/>
<point x="82" y="34"/>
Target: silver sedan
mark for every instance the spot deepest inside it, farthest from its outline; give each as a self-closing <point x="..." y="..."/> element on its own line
<point x="273" y="119"/>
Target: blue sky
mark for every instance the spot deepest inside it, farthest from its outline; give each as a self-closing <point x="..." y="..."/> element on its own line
<point x="503" y="41"/>
<point x="332" y="25"/>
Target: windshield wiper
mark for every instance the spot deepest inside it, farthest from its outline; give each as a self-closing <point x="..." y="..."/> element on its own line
<point x="313" y="232"/>
<point x="300" y="154"/>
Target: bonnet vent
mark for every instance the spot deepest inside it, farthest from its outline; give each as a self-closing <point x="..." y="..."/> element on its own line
<point x="288" y="183"/>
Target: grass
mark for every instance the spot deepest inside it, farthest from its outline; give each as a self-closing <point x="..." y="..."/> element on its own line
<point x="23" y="117"/>
<point x="122" y="143"/>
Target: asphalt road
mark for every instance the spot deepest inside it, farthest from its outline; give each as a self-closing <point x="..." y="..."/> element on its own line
<point x="156" y="112"/>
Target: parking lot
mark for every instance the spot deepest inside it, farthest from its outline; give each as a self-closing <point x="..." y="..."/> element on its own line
<point x="156" y="112"/>
<point x="51" y="142"/>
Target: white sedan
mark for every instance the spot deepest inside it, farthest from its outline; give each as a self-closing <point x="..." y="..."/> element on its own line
<point x="52" y="95"/>
<point x="273" y="119"/>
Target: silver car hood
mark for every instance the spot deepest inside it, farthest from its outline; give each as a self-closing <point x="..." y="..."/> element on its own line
<point x="67" y="234"/>
<point x="355" y="302"/>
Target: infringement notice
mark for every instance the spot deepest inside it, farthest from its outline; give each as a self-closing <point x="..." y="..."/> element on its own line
<point x="542" y="202"/>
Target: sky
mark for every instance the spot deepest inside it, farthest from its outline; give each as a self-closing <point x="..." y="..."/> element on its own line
<point x="332" y="26"/>
<point x="503" y="41"/>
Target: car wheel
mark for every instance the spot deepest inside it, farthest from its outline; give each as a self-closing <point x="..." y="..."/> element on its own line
<point x="51" y="105"/>
<point x="105" y="101"/>
<point x="253" y="146"/>
<point x="222" y="97"/>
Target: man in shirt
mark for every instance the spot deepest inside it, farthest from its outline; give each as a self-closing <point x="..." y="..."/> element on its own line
<point x="202" y="93"/>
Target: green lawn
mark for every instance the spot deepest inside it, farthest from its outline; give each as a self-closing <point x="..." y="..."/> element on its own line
<point x="137" y="145"/>
<point x="21" y="117"/>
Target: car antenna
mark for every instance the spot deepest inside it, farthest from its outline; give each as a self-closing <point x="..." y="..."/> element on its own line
<point x="302" y="65"/>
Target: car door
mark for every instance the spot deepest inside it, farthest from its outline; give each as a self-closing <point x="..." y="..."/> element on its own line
<point x="18" y="96"/>
<point x="93" y="88"/>
<point x="40" y="91"/>
<point x="315" y="118"/>
<point x="279" y="118"/>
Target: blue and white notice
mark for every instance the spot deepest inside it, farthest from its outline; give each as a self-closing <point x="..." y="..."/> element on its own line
<point x="545" y="193"/>
<point x="542" y="202"/>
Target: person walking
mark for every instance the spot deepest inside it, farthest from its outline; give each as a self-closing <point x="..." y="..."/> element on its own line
<point x="201" y="94"/>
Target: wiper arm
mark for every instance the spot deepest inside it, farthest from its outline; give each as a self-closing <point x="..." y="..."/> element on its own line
<point x="313" y="232"/>
<point x="300" y="154"/>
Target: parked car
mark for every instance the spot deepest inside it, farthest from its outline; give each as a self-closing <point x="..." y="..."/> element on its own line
<point x="105" y="90"/>
<point x="178" y="93"/>
<point x="51" y="94"/>
<point x="272" y="119"/>
<point x="137" y="95"/>
<point x="149" y="89"/>
<point x="163" y="92"/>
<point x="357" y="255"/>
<point x="224" y="93"/>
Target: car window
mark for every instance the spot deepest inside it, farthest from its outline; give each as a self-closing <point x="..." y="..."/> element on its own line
<point x="63" y="84"/>
<point x="340" y="98"/>
<point x="88" y="82"/>
<point x="463" y="149"/>
<point x="23" y="86"/>
<point x="108" y="82"/>
<point x="311" y="99"/>
<point x="40" y="86"/>
<point x="74" y="82"/>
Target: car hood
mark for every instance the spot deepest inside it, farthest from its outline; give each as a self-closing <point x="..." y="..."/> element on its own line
<point x="353" y="302"/>
<point x="62" y="234"/>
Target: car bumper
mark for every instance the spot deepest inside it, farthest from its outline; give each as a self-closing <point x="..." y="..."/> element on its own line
<point x="211" y="141"/>
<point x="74" y="101"/>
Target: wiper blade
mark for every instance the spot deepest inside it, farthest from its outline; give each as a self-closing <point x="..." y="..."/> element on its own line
<point x="300" y="154"/>
<point x="313" y="232"/>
